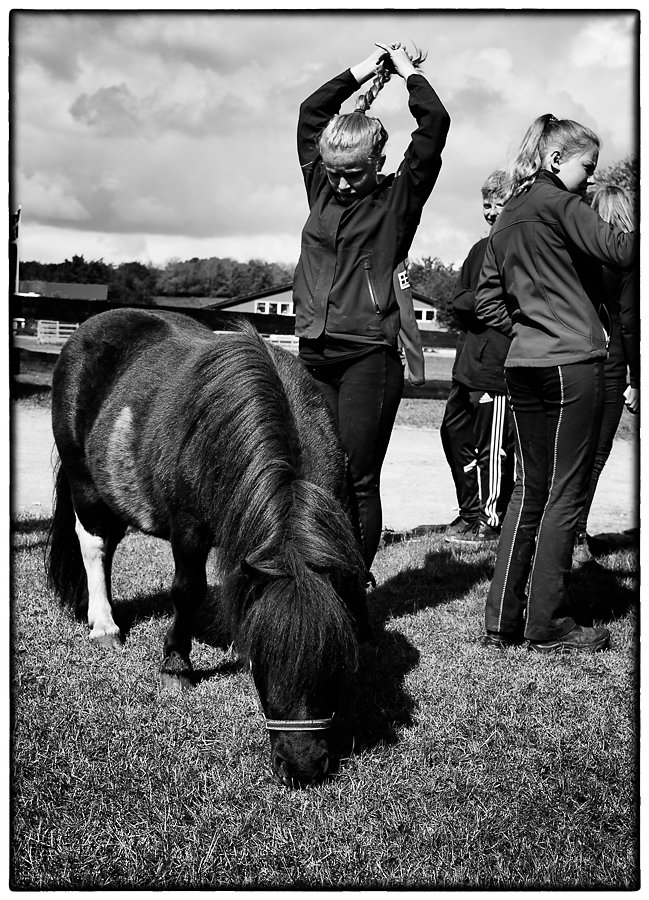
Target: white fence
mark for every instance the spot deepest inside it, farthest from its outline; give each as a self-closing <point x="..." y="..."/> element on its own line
<point x="50" y="332"/>
<point x="287" y="341"/>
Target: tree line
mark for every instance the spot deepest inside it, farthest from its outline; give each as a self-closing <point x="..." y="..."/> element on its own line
<point x="136" y="284"/>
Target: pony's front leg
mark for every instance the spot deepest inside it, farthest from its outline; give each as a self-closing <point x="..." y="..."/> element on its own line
<point x="97" y="553"/>
<point x="187" y="592"/>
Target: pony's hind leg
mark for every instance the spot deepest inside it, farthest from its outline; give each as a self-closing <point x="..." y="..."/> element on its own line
<point x="97" y="552"/>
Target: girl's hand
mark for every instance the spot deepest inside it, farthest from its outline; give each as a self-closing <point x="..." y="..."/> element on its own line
<point x="366" y="69"/>
<point x="632" y="399"/>
<point x="401" y="61"/>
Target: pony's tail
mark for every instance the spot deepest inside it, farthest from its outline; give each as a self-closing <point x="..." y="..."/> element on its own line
<point x="63" y="561"/>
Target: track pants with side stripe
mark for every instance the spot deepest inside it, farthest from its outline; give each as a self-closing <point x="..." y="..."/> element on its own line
<point x="478" y="444"/>
<point x="557" y="412"/>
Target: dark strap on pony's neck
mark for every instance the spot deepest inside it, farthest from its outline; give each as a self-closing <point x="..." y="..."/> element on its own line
<point x="299" y="724"/>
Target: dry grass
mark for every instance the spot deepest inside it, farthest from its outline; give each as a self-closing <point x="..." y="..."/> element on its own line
<point x="471" y="769"/>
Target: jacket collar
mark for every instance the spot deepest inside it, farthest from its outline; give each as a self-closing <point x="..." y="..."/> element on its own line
<point x="550" y="177"/>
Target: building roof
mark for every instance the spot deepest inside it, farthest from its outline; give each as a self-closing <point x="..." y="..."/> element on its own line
<point x="282" y="289"/>
<point x="255" y="295"/>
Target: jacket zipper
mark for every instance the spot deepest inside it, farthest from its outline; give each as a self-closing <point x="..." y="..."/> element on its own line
<point x="607" y="332"/>
<point x="367" y="266"/>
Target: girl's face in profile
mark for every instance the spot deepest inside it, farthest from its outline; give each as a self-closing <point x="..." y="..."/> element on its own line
<point x="577" y="171"/>
<point x="351" y="176"/>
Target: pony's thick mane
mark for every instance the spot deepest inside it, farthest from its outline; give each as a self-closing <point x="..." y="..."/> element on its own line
<point x="242" y="447"/>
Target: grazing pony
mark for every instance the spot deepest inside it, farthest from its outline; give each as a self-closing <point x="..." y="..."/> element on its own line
<point x="213" y="440"/>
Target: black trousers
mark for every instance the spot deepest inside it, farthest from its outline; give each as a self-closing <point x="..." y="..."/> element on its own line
<point x="614" y="387"/>
<point x="557" y="413"/>
<point x="477" y="438"/>
<point x="364" y="394"/>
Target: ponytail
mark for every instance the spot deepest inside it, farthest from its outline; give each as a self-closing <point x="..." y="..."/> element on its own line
<point x="543" y="134"/>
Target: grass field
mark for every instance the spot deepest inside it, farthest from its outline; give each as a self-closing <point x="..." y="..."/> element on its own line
<point x="469" y="768"/>
<point x="462" y="767"/>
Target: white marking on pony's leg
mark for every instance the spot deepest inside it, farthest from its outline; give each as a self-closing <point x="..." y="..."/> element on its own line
<point x="103" y="629"/>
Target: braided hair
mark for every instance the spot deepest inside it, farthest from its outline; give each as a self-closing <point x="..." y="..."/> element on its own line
<point x="355" y="131"/>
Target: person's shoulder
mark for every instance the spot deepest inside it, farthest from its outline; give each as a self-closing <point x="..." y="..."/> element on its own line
<point x="481" y="245"/>
<point x="478" y="249"/>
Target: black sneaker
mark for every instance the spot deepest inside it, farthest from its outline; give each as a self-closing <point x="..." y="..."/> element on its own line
<point x="580" y="638"/>
<point x="478" y="535"/>
<point x="458" y="526"/>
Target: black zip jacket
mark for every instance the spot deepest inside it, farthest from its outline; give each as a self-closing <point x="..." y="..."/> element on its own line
<point x="540" y="280"/>
<point x="620" y="313"/>
<point x="481" y="352"/>
<point x="343" y="283"/>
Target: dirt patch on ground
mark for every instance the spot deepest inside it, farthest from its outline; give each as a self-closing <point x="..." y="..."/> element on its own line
<point x="416" y="488"/>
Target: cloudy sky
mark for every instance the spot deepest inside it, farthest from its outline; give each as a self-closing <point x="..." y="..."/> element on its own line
<point x="155" y="136"/>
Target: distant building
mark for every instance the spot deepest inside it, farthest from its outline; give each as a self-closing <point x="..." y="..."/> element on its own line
<point x="278" y="301"/>
<point x="425" y="313"/>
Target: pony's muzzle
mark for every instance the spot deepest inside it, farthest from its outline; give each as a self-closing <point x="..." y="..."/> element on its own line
<point x="299" y="767"/>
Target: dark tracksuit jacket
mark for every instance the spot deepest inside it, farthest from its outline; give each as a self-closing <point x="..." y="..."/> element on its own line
<point x="479" y="362"/>
<point x="541" y="283"/>
<point x="621" y="317"/>
<point x="343" y="283"/>
<point x="475" y="433"/>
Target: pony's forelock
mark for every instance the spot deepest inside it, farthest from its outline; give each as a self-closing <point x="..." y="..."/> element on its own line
<point x="289" y="626"/>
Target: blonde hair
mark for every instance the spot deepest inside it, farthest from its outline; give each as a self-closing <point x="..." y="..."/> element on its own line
<point x="614" y="204"/>
<point x="355" y="131"/>
<point x="543" y="134"/>
<point x="496" y="185"/>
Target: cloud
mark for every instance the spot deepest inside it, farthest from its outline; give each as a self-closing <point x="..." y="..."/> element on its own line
<point x="477" y="99"/>
<point x="111" y="111"/>
<point x="158" y="129"/>
<point x="53" y="200"/>
<point x="604" y="43"/>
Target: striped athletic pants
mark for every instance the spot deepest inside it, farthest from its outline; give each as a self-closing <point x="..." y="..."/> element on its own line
<point x="478" y="444"/>
<point x="557" y="412"/>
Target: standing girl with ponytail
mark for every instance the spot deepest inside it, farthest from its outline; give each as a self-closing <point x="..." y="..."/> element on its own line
<point x="359" y="230"/>
<point x="620" y="312"/>
<point x="541" y="283"/>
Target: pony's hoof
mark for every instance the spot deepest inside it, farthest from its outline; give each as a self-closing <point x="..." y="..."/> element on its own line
<point x="175" y="684"/>
<point x="107" y="641"/>
<point x="176" y="673"/>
